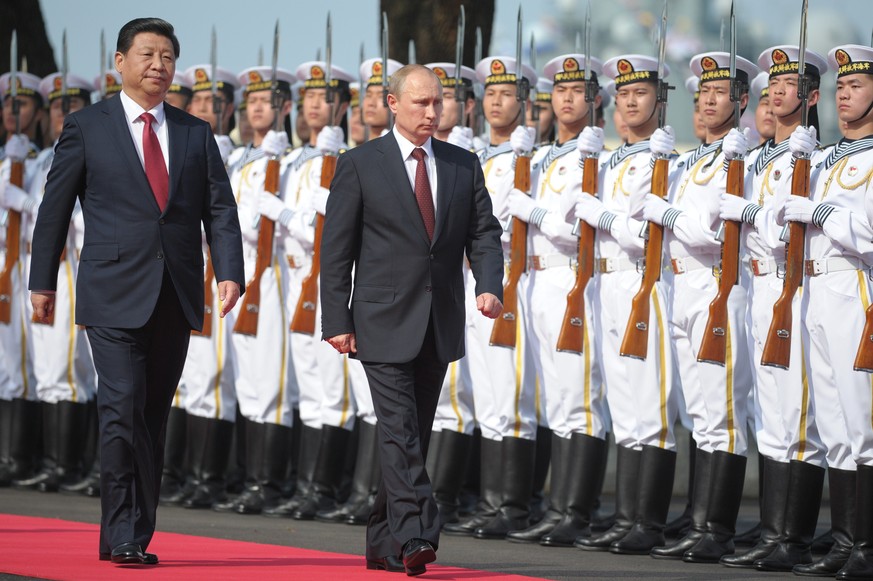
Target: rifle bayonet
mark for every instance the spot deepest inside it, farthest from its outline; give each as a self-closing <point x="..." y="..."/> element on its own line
<point x="460" y="90"/>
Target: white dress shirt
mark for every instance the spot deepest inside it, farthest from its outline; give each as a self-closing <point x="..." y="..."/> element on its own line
<point x="411" y="163"/>
<point x="132" y="111"/>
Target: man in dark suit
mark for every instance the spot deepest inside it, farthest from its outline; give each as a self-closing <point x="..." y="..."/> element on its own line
<point x="403" y="211"/>
<point x="147" y="175"/>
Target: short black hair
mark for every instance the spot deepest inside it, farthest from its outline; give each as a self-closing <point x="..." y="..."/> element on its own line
<point x="155" y="25"/>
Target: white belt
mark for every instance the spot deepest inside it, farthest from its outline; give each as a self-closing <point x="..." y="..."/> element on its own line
<point x="833" y="264"/>
<point x="545" y="261"/>
<point x="688" y="263"/>
<point x="617" y="264"/>
<point x="762" y="266"/>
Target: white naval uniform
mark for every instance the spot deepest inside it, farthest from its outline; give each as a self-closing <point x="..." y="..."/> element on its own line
<point x="16" y="343"/>
<point x="62" y="360"/>
<point x="639" y="392"/>
<point x="715" y="395"/>
<point x="263" y="390"/>
<point x="571" y="385"/>
<point x="784" y="413"/>
<point x="834" y="301"/>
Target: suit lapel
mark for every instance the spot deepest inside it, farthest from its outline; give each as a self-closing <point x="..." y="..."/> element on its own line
<point x="177" y="140"/>
<point x="445" y="186"/>
<point x="120" y="132"/>
<point x="398" y="180"/>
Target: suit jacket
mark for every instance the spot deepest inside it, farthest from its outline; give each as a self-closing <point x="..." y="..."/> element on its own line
<point x="129" y="242"/>
<point x="402" y="279"/>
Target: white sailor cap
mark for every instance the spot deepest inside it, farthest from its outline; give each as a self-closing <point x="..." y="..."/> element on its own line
<point x="782" y="60"/>
<point x="109" y="82"/>
<point x="501" y="70"/>
<point x="571" y="67"/>
<point x="716" y="66"/>
<point x="52" y="87"/>
<point x="446" y="74"/>
<point x="181" y="84"/>
<point x="201" y="77"/>
<point x="633" y="68"/>
<point x="27" y="84"/>
<point x="692" y="85"/>
<point x="355" y="91"/>
<point x="544" y="90"/>
<point x="297" y="91"/>
<point x="760" y="86"/>
<point x="851" y="59"/>
<point x="259" y="79"/>
<point x="314" y="75"/>
<point x="371" y="70"/>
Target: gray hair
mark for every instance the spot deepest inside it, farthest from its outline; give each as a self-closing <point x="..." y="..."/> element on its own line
<point x="398" y="80"/>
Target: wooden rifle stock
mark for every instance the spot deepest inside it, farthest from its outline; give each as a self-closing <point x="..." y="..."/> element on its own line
<point x="572" y="332"/>
<point x="636" y="335"/>
<point x="13" y="247"/>
<point x="777" y="349"/>
<point x="304" y="314"/>
<point x="208" y="300"/>
<point x="713" y="347"/>
<point x="864" y="358"/>
<point x="506" y="325"/>
<point x="247" y="319"/>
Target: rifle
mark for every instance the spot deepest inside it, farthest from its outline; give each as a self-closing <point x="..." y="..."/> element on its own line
<point x="13" y="224"/>
<point x="208" y="299"/>
<point x="385" y="69"/>
<point x="572" y="335"/>
<point x="636" y="334"/>
<point x="478" y="121"/>
<point x="460" y="90"/>
<point x="713" y="347"/>
<point x="247" y="319"/>
<point x="304" y="314"/>
<point x="217" y="103"/>
<point x="777" y="348"/>
<point x="506" y="325"/>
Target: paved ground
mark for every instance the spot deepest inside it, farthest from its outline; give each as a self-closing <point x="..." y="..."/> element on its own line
<point x="534" y="561"/>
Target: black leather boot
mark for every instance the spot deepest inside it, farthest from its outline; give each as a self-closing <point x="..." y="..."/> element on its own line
<point x="725" y="497"/>
<point x="366" y="458"/>
<point x="212" y="465"/>
<point x="327" y="475"/>
<point x="175" y="474"/>
<point x="775" y="478"/>
<point x="359" y="514"/>
<point x="655" y="488"/>
<point x="842" y="485"/>
<point x="251" y="499"/>
<point x="680" y="525"/>
<point x="89" y="485"/>
<point x="559" y="450"/>
<point x="5" y="441"/>
<point x="699" y="504"/>
<point x="448" y="475"/>
<point x="491" y="490"/>
<point x="860" y="563"/>
<point x="25" y="439"/>
<point x="586" y="458"/>
<point x="310" y="441"/>
<point x="45" y="474"/>
<point x="72" y="419"/>
<point x="518" y="469"/>
<point x="601" y="521"/>
<point x="801" y="515"/>
<point x="542" y="465"/>
<point x="626" y="479"/>
<point x="750" y="537"/>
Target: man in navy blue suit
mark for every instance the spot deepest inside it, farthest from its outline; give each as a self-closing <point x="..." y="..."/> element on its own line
<point x="147" y="176"/>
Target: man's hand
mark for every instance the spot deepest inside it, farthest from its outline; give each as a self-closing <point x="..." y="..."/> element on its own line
<point x="43" y="305"/>
<point x="228" y="294"/>
<point x="345" y="343"/>
<point x="489" y="305"/>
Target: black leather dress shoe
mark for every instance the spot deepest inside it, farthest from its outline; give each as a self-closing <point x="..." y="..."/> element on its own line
<point x="416" y="554"/>
<point x="150" y="558"/>
<point x="128" y="554"/>
<point x="390" y="564"/>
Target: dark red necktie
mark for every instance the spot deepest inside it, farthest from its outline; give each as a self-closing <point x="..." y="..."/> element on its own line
<point x="155" y="167"/>
<point x="422" y="192"/>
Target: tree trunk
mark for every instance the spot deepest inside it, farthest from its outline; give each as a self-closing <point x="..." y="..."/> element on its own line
<point x="25" y="17"/>
<point x="433" y="25"/>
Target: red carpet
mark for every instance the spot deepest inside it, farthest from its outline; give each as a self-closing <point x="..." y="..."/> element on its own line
<point x="23" y="542"/>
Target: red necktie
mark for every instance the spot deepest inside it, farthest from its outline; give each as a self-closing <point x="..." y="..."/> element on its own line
<point x="155" y="167"/>
<point x="422" y="192"/>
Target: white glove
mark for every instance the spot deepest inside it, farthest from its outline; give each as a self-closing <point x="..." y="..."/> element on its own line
<point x="799" y="209"/>
<point x="330" y="140"/>
<point x="655" y="209"/>
<point x="269" y="205"/>
<point x="737" y="209"/>
<point x="522" y="140"/>
<point x="663" y="141"/>
<point x="802" y="141"/>
<point x="17" y="199"/>
<point x="736" y="144"/>
<point x="225" y="147"/>
<point x="275" y="143"/>
<point x="589" y="209"/>
<point x="590" y="141"/>
<point x="318" y="201"/>
<point x="384" y="133"/>
<point x="635" y="201"/>
<point x="17" y="147"/>
<point x="520" y="205"/>
<point x="479" y="143"/>
<point x="461" y="137"/>
<point x="780" y="198"/>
